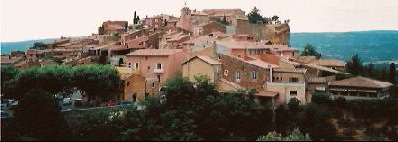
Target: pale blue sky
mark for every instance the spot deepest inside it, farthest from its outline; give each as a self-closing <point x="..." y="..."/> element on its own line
<point x="34" y="19"/>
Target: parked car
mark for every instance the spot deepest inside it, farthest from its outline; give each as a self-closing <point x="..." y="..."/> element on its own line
<point x="3" y="106"/>
<point x="6" y="114"/>
<point x="67" y="101"/>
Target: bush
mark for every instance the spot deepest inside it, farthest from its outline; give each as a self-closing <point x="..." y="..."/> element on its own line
<point x="349" y="132"/>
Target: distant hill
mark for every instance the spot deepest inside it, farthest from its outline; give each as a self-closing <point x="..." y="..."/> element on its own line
<point x="371" y="46"/>
<point x="8" y="47"/>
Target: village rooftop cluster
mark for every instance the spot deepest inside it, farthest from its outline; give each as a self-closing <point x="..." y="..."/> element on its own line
<point x="221" y="44"/>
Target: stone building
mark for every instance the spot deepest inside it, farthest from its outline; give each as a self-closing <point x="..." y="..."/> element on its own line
<point x="359" y="88"/>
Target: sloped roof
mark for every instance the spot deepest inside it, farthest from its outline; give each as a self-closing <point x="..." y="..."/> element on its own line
<point x="361" y="82"/>
<point x="266" y="93"/>
<point x="321" y="68"/>
<point x="291" y="70"/>
<point x="154" y="52"/>
<point x="206" y="59"/>
<point x="329" y="62"/>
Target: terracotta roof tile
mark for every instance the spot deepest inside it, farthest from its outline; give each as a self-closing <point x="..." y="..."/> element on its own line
<point x="154" y="52"/>
<point x="361" y="82"/>
<point x="329" y="62"/>
<point x="207" y="59"/>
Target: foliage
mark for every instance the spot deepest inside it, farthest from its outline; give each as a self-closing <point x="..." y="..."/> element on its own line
<point x="295" y="135"/>
<point x="315" y="119"/>
<point x="293" y="104"/>
<point x="320" y="98"/>
<point x="274" y="18"/>
<point x="179" y="90"/>
<point x="354" y="66"/>
<point x="8" y="74"/>
<point x="98" y="81"/>
<point x="223" y="21"/>
<point x="55" y="59"/>
<point x="38" y="45"/>
<point x="255" y="17"/>
<point x="56" y="79"/>
<point x="37" y="116"/>
<point x="310" y="50"/>
<point x="393" y="73"/>
<point x="101" y="30"/>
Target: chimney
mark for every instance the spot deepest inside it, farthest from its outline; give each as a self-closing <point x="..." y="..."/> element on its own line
<point x="270" y="72"/>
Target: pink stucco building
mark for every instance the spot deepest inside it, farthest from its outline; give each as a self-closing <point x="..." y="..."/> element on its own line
<point x="157" y="64"/>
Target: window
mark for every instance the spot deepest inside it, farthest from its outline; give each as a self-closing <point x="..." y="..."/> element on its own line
<point x="146" y="57"/>
<point x="158" y="76"/>
<point x="129" y="65"/>
<point x="293" y="93"/>
<point x="128" y="83"/>
<point x="136" y="65"/>
<point x="158" y="66"/>
<point x="153" y="84"/>
<point x="135" y="97"/>
<point x="237" y="75"/>
<point x="225" y="72"/>
<point x="149" y="67"/>
<point x="219" y="57"/>
<point x="293" y="79"/>
<point x="254" y="75"/>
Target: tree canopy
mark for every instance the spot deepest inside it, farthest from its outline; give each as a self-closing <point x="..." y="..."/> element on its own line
<point x="96" y="80"/>
<point x="255" y="17"/>
<point x="310" y="50"/>
<point x="354" y="66"/>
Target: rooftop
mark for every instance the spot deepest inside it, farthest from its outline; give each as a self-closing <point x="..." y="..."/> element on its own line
<point x="361" y="82"/>
<point x="329" y="62"/>
<point x="206" y="59"/>
<point x="154" y="52"/>
<point x="291" y="70"/>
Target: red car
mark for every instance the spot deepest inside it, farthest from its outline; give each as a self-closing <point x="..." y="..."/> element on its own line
<point x="110" y="103"/>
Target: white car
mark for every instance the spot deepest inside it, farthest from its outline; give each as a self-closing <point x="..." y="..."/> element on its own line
<point x="67" y="101"/>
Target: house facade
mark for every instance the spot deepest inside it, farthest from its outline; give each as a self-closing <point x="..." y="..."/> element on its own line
<point x="289" y="83"/>
<point x="202" y="65"/>
<point x="359" y="88"/>
<point x="157" y="64"/>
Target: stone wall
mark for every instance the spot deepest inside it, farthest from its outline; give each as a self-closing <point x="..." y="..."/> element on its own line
<point x="276" y="33"/>
<point x="231" y="65"/>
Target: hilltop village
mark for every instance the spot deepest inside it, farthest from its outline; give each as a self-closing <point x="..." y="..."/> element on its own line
<point x="222" y="44"/>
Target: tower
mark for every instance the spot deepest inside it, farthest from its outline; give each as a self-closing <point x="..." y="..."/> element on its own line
<point x="185" y="18"/>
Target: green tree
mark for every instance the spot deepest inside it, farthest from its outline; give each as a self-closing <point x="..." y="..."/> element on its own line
<point x="310" y="50"/>
<point x="179" y="92"/>
<point x="293" y="104"/>
<point x="255" y="17"/>
<point x="354" y="66"/>
<point x="55" y="79"/>
<point x="8" y="79"/>
<point x="320" y="98"/>
<point x="295" y="135"/>
<point x="393" y="73"/>
<point x="101" y="30"/>
<point x="370" y="71"/>
<point x="274" y="18"/>
<point x="37" y="116"/>
<point x="38" y="45"/>
<point x="100" y="82"/>
<point x="315" y="119"/>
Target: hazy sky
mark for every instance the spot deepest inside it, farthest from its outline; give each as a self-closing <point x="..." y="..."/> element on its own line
<point x="33" y="19"/>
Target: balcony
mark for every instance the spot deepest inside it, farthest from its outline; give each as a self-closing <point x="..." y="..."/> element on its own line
<point x="157" y="70"/>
